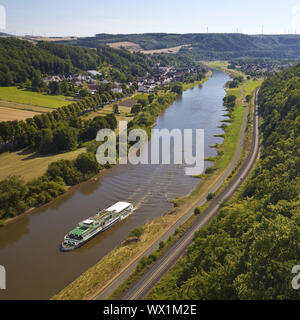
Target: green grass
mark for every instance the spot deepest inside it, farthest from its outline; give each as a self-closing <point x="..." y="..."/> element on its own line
<point x="252" y="86"/>
<point x="233" y="131"/>
<point x="223" y="66"/>
<point x="23" y="96"/>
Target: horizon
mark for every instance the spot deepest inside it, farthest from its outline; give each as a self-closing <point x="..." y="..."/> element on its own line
<point x="147" y="33"/>
<point x="74" y="19"/>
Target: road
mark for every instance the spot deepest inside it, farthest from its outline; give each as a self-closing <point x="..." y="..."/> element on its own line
<point x="115" y="282"/>
<point x="160" y="268"/>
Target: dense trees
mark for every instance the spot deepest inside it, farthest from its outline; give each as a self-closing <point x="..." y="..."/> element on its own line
<point x="203" y="46"/>
<point x="250" y="248"/>
<point x="16" y="196"/>
<point x="23" y="63"/>
<point x="32" y="131"/>
<point x="177" y="88"/>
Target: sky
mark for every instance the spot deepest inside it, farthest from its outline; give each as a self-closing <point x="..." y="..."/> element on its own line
<point x="88" y="17"/>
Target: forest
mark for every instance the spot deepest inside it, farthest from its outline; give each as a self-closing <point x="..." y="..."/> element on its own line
<point x="208" y="46"/>
<point x="248" y="251"/>
<point x="21" y="61"/>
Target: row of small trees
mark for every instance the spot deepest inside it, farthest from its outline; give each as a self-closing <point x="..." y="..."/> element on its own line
<point x="20" y="134"/>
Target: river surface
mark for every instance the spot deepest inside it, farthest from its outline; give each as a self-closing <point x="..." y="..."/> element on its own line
<point x="29" y="247"/>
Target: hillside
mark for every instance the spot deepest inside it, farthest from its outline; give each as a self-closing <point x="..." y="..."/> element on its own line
<point x="21" y="61"/>
<point x="207" y="46"/>
<point x="248" y="251"/>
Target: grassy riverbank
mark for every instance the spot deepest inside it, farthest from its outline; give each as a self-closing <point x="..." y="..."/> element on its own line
<point x="104" y="272"/>
<point x="146" y="262"/>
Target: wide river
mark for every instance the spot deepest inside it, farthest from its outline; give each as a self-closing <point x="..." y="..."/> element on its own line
<point x="29" y="247"/>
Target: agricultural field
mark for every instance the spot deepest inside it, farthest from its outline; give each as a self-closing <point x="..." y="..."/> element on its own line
<point x="20" y="106"/>
<point x="172" y="50"/>
<point x="108" y="109"/>
<point x="10" y="111"/>
<point x="128" y="103"/>
<point x="131" y="46"/>
<point x="134" y="47"/>
<point x="9" y="114"/>
<point x="29" y="164"/>
<point x="26" y="97"/>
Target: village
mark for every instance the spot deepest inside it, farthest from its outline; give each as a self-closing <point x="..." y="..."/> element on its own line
<point x="163" y="76"/>
<point x="260" y="68"/>
<point x="93" y="80"/>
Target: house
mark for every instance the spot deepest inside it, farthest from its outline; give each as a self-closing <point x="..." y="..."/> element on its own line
<point x="52" y="78"/>
<point x="142" y="89"/>
<point x="117" y="89"/>
<point x="94" y="73"/>
<point x="93" y="87"/>
<point x="80" y="78"/>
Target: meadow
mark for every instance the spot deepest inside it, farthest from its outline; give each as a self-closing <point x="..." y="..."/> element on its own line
<point x="13" y="94"/>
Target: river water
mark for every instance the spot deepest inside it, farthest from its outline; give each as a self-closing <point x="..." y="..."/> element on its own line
<point x="29" y="247"/>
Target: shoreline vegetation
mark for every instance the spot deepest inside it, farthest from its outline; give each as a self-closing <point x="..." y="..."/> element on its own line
<point x="99" y="276"/>
<point x="248" y="251"/>
<point x="58" y="178"/>
<point x="146" y="262"/>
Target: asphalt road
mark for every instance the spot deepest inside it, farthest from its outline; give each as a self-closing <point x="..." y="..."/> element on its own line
<point x="160" y="268"/>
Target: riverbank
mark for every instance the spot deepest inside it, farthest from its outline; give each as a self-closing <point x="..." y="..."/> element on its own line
<point x="112" y="265"/>
<point x="146" y="262"/>
<point x="162" y="101"/>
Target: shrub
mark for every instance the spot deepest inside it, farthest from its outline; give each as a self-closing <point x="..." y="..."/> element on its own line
<point x="210" y="196"/>
<point x="197" y="211"/>
<point x="137" y="232"/>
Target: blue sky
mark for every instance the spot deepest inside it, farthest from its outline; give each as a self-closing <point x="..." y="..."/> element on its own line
<point x="88" y="17"/>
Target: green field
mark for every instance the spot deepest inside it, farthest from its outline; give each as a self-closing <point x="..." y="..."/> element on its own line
<point x="23" y="96"/>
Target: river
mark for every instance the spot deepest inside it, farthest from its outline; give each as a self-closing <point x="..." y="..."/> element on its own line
<point x="29" y="247"/>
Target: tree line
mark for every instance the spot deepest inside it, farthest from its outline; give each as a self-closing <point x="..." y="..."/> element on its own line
<point x="36" y="131"/>
<point x="16" y="196"/>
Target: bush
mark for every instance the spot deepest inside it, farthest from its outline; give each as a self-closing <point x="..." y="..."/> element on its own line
<point x="210" y="196"/>
<point x="209" y="170"/>
<point x="153" y="256"/>
<point x="136" y="108"/>
<point x="197" y="211"/>
<point x="161" y="245"/>
<point x="177" y="88"/>
<point x="137" y="232"/>
<point x="87" y="163"/>
<point x="66" y="170"/>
